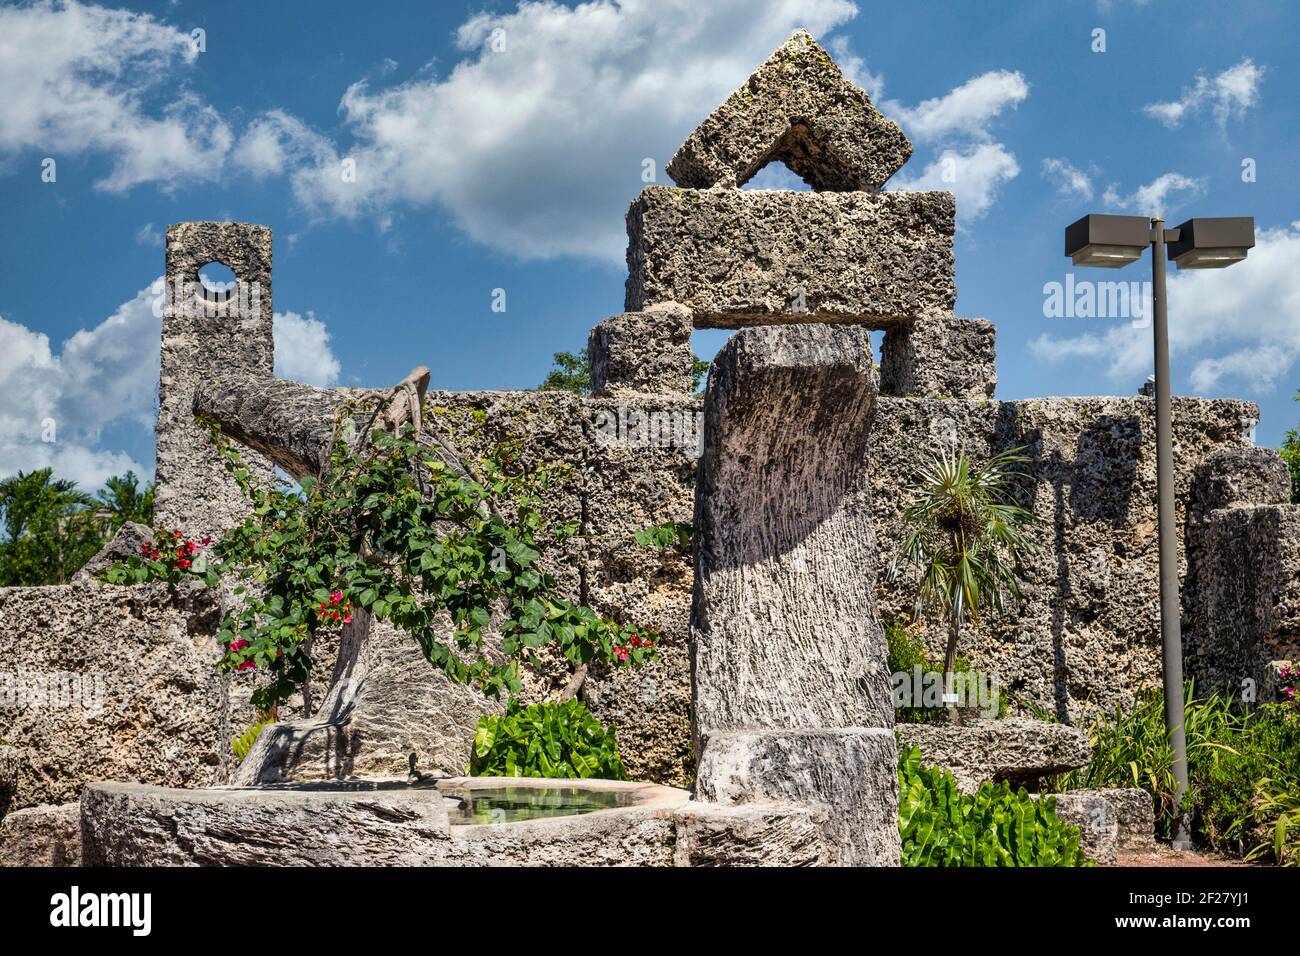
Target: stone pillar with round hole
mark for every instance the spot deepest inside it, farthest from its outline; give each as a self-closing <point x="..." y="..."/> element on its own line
<point x="208" y="333"/>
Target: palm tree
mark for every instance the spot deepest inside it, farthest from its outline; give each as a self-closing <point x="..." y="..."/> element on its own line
<point x="963" y="539"/>
<point x="122" y="500"/>
<point x="46" y="531"/>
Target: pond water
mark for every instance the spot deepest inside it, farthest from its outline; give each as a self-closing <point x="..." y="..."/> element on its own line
<point x="470" y="804"/>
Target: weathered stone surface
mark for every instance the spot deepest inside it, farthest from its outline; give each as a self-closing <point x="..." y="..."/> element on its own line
<point x="753" y="834"/>
<point x="1134" y="812"/>
<point x="385" y="704"/>
<point x="1241" y="476"/>
<point x="293" y="425"/>
<point x="648" y="704"/>
<point x="783" y="627"/>
<point x="765" y="257"/>
<point x="130" y="825"/>
<point x="199" y="341"/>
<point x="797" y="108"/>
<point x="1244" y="592"/>
<point x="639" y="353"/>
<point x="126" y="824"/>
<point x="125" y="544"/>
<point x="849" y="772"/>
<point x="1014" y="749"/>
<point x="940" y="357"/>
<point x="135" y="691"/>
<point x="1087" y="636"/>
<point x="1096" y="819"/>
<point x="43" y="835"/>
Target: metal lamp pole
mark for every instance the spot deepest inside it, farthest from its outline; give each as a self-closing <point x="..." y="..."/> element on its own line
<point x="1113" y="242"/>
<point x="1171" y="635"/>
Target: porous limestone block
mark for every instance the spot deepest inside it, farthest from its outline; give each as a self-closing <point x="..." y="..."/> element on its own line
<point x="797" y="108"/>
<point x="767" y="257"/>
<point x="640" y="353"/>
<point x="111" y="681"/>
<point x="1015" y="749"/>
<point x="204" y="337"/>
<point x="1134" y="812"/>
<point x="650" y="704"/>
<point x="784" y="630"/>
<point x="385" y="705"/>
<point x="1245" y="591"/>
<point x="1096" y="819"/>
<point x="638" y="464"/>
<point x="1086" y="636"/>
<point x="754" y="834"/>
<point x="849" y="773"/>
<point x="1241" y="476"/>
<point x="43" y="835"/>
<point x="940" y="357"/>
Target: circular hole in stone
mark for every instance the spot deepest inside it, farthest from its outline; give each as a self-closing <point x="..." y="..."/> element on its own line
<point x="217" y="281"/>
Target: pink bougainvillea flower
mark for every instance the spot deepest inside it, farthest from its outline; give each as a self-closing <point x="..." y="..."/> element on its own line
<point x="336" y="597"/>
<point x="247" y="666"/>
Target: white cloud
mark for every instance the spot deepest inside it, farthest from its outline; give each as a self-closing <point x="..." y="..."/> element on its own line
<point x="1164" y="193"/>
<point x="968" y="161"/>
<point x="537" y="149"/>
<point x="85" y="78"/>
<point x="100" y="376"/>
<point x="302" y="349"/>
<point x="1069" y="179"/>
<point x="275" y="142"/>
<point x="967" y="110"/>
<point x="108" y="375"/>
<point x="149" y="235"/>
<point x="1227" y="96"/>
<point x="975" y="175"/>
<point x="1240" y="326"/>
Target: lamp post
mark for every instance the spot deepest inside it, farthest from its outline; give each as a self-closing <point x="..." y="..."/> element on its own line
<point x="1113" y="242"/>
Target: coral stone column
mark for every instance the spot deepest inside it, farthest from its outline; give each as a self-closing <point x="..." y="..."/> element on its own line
<point x="207" y="337"/>
<point x="791" y="696"/>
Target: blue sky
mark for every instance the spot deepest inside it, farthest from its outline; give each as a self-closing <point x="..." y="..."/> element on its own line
<point x="497" y="147"/>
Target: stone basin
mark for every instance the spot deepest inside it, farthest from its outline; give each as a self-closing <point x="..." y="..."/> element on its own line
<point x="451" y="821"/>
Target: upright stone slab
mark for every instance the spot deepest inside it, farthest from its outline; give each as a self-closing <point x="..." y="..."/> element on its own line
<point x="1243" y="589"/>
<point x="797" y="108"/>
<point x="205" y="335"/>
<point x="771" y="257"/>
<point x="790" y="690"/>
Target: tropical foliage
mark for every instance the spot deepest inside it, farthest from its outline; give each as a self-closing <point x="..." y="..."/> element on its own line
<point x="546" y="740"/>
<point x="995" y="826"/>
<point x="49" y="528"/>
<point x="1243" y="767"/>
<point x="963" y="538"/>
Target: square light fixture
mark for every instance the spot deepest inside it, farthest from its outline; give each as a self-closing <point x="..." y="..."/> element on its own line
<point x="1213" y="242"/>
<point x="1107" y="241"/>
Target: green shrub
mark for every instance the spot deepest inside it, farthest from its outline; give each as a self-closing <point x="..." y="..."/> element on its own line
<point x="546" y="740"/>
<point x="941" y="826"/>
<point x="240" y="745"/>
<point x="1243" y="768"/>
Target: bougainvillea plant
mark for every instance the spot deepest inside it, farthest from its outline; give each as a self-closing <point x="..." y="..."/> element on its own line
<point x="407" y="535"/>
<point x="1289" y="685"/>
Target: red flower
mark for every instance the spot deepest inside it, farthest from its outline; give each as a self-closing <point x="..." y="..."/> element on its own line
<point x="620" y="653"/>
<point x="247" y="666"/>
<point x="238" y="645"/>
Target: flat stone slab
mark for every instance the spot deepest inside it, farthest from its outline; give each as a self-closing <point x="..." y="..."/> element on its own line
<point x="383" y="823"/>
<point x="768" y="257"/>
<point x="1017" y="750"/>
<point x="797" y="108"/>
